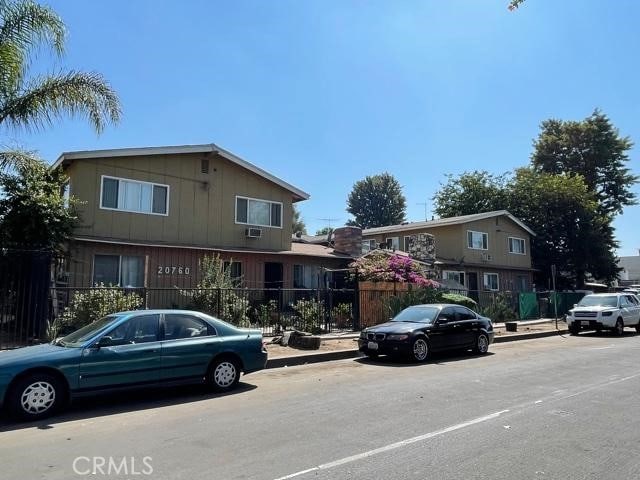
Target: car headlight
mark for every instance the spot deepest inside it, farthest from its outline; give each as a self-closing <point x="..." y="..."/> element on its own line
<point x="363" y="334"/>
<point x="607" y="314"/>
<point x="398" y="337"/>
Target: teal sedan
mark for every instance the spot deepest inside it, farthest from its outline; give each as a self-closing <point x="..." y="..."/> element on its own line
<point x="126" y="350"/>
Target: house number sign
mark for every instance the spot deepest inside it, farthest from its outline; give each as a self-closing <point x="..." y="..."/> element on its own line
<point x="173" y="270"/>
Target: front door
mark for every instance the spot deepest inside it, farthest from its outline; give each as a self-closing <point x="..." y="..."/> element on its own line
<point x="273" y="279"/>
<point x="187" y="349"/>
<point x="129" y="354"/>
<point x="472" y="285"/>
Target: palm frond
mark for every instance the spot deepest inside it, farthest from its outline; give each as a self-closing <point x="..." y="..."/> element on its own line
<point x="28" y="24"/>
<point x="25" y="26"/>
<point x="15" y="159"/>
<point x="74" y="94"/>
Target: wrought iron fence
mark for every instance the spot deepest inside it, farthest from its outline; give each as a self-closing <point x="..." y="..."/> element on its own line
<point x="271" y="310"/>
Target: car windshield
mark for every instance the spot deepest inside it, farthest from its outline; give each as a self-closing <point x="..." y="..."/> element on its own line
<point x="83" y="334"/>
<point x="603" y="301"/>
<point x="417" y="315"/>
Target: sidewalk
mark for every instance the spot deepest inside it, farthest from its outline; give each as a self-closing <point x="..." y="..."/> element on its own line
<point x="345" y="345"/>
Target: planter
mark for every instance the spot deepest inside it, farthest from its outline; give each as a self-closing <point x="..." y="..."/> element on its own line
<point x="511" y="326"/>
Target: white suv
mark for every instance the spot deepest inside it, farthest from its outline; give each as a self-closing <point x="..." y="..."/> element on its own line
<point x="599" y="311"/>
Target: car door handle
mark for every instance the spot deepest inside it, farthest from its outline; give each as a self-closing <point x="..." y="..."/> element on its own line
<point x="152" y="350"/>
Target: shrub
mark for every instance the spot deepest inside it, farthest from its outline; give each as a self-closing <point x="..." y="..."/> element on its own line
<point x="397" y="303"/>
<point x="215" y="293"/>
<point x="381" y="267"/>
<point x="341" y="314"/>
<point x="308" y="315"/>
<point x="458" y="299"/>
<point x="500" y="310"/>
<point x="91" y="305"/>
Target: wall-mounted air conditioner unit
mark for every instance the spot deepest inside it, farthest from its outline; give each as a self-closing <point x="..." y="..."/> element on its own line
<point x="486" y="257"/>
<point x="253" y="232"/>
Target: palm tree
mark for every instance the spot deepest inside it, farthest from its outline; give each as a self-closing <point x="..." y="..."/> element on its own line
<point x="33" y="103"/>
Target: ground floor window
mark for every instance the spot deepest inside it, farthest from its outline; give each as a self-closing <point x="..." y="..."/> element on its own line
<point x="490" y="281"/>
<point x="368" y="245"/>
<point x="235" y="272"/>
<point x="306" y="276"/>
<point x="453" y="275"/>
<point x="521" y="283"/>
<point x="118" y="270"/>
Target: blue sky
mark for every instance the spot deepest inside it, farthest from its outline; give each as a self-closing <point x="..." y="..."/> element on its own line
<point x="325" y="92"/>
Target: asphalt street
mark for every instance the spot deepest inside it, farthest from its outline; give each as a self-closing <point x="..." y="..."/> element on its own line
<point x="552" y="408"/>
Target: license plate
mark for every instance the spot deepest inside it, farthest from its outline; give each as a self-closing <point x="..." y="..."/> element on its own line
<point x="372" y="346"/>
<point x="585" y="322"/>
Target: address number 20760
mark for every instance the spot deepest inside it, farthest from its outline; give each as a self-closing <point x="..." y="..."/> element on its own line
<point x="173" y="270"/>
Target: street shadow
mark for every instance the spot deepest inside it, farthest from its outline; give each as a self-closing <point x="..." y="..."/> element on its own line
<point x="122" y="402"/>
<point x="436" y="358"/>
<point x="606" y="334"/>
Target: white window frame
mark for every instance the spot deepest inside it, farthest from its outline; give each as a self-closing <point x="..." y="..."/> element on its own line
<point x="386" y="242"/>
<point x="459" y="272"/>
<point x="471" y="247"/>
<point x="133" y="180"/>
<point x="144" y="267"/>
<point x="484" y="282"/>
<point x="524" y="245"/>
<point x="235" y="213"/>
<point x="372" y="245"/>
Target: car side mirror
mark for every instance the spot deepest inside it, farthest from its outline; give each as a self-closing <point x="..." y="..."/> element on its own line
<point x="105" y="341"/>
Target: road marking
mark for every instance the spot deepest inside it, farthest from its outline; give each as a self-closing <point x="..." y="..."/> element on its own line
<point x="393" y="446"/>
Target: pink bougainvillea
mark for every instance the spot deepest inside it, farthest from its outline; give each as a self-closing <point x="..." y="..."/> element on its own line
<point x="381" y="267"/>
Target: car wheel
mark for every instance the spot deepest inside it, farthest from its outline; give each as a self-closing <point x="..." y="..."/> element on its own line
<point x="482" y="344"/>
<point x="573" y="330"/>
<point x="638" y="328"/>
<point x="420" y="349"/>
<point x="36" y="396"/>
<point x="224" y="374"/>
<point x="619" y="328"/>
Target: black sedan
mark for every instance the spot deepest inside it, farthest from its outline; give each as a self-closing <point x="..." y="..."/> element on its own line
<point x="419" y="330"/>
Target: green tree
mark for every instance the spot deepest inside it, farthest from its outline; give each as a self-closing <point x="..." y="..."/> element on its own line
<point x="376" y="201"/>
<point x="34" y="102"/>
<point x="469" y="193"/>
<point x="324" y="231"/>
<point x="297" y="223"/>
<point x="593" y="148"/>
<point x="34" y="213"/>
<point x="559" y="208"/>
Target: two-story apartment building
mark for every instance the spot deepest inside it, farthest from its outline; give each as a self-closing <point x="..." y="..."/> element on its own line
<point x="485" y="251"/>
<point x="148" y="215"/>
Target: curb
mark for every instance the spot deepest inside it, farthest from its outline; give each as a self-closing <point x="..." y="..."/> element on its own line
<point x="529" y="336"/>
<point x="346" y="354"/>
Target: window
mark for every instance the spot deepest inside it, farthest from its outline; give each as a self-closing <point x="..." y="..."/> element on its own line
<point x="368" y="245"/>
<point x="465" y="314"/>
<point x="65" y="193"/>
<point x="134" y="196"/>
<point x="451" y="275"/>
<point x="407" y="243"/>
<point x="306" y="276"/>
<point x="522" y="281"/>
<point x="490" y="281"/>
<point x="204" y="165"/>
<point x="140" y="329"/>
<point x="477" y="240"/>
<point x="185" y="326"/>
<point x="447" y="315"/>
<point x="393" y="243"/>
<point x="516" y="245"/>
<point x="235" y="272"/>
<point x="262" y="213"/>
<point x="118" y="270"/>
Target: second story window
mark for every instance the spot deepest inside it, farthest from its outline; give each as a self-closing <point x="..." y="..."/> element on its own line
<point x="261" y="213"/>
<point x="516" y="245"/>
<point x="134" y="196"/>
<point x="477" y="240"/>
